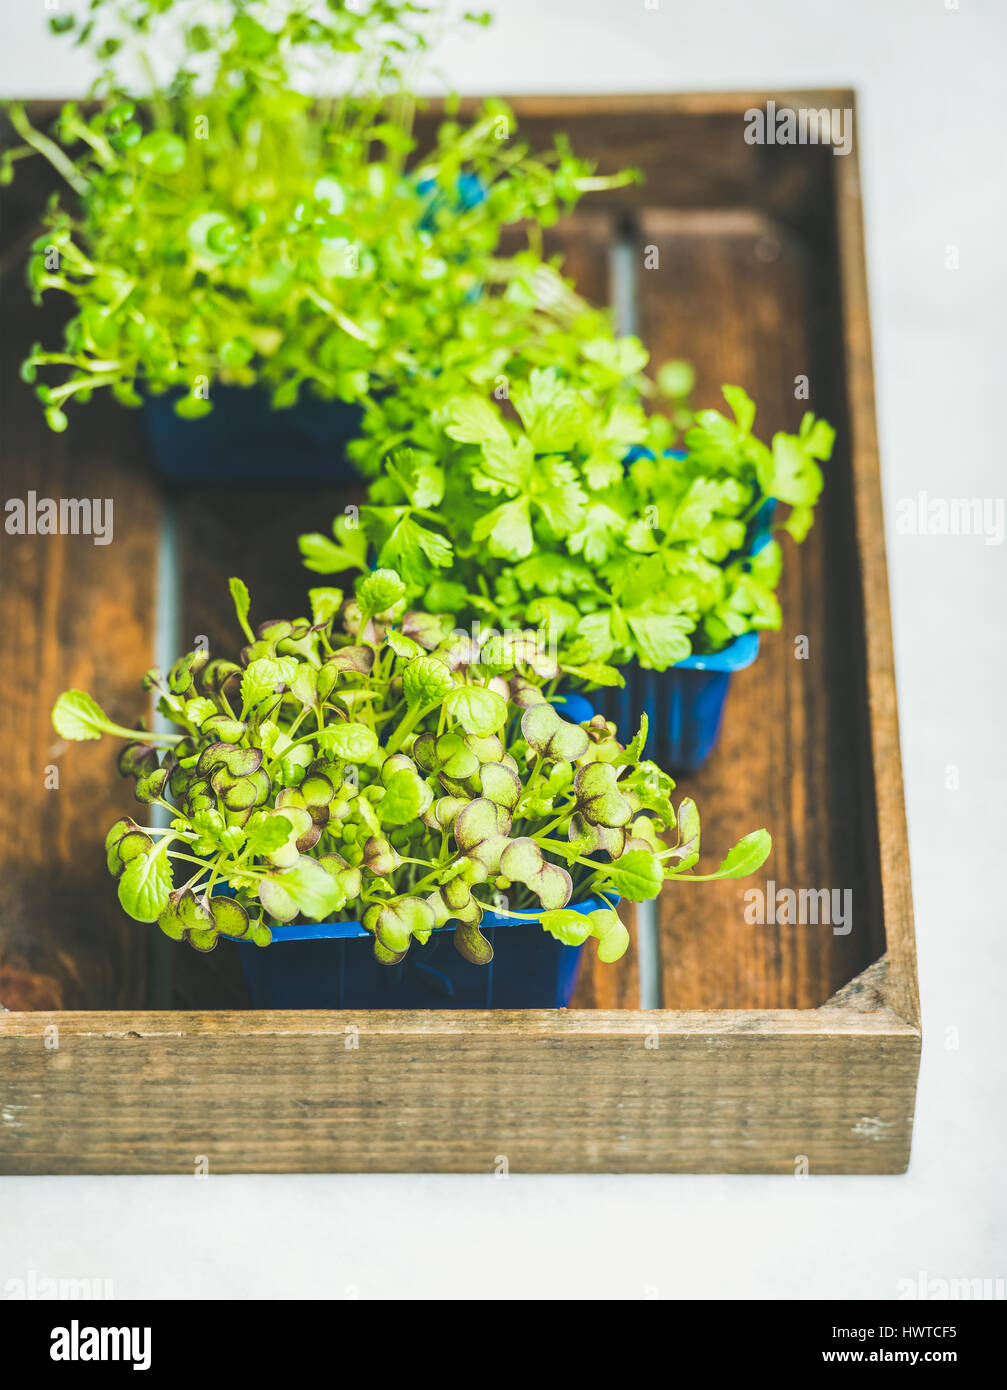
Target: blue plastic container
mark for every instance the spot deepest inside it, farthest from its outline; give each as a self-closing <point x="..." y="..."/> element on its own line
<point x="331" y="965"/>
<point x="244" y="440"/>
<point x="685" y="704"/>
<point x="577" y="708"/>
<point x="471" y="193"/>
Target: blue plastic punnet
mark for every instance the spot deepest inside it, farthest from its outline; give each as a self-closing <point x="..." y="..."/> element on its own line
<point x="685" y="704"/>
<point x="245" y="440"/>
<point x="331" y="965"/>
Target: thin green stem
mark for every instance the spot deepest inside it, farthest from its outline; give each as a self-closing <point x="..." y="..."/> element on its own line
<point x="48" y="149"/>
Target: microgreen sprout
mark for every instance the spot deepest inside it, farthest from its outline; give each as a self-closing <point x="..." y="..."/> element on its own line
<point x="229" y="226"/>
<point x="564" y="506"/>
<point x="372" y="764"/>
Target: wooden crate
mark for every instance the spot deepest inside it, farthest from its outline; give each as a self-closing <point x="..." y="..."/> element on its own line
<point x="774" y="1047"/>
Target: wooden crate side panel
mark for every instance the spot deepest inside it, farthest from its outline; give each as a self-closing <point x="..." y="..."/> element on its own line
<point x="73" y="613"/>
<point x="689" y="147"/>
<point x="889" y="794"/>
<point x="551" y="1092"/>
<point x="730" y="290"/>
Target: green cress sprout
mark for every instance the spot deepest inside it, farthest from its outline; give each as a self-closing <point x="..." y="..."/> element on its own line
<point x="372" y="764"/>
<point x="230" y="227"/>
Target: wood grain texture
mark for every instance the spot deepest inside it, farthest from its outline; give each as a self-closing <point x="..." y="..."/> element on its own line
<point x="586" y="1092"/>
<point x="732" y="292"/>
<point x="881" y="716"/>
<point x="689" y="147"/>
<point x="72" y="613"/>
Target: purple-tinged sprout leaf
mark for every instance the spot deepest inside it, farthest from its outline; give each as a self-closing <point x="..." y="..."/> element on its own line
<point x="229" y="917"/>
<point x="456" y="894"/>
<point x="380" y="857"/>
<point x="261" y="783"/>
<point x="182" y="676"/>
<point x="522" y="862"/>
<point x="428" y="629"/>
<point x="461" y="653"/>
<point x="273" y="629"/>
<point x="348" y="875"/>
<point x="149" y="789"/>
<point x="455" y="759"/>
<point x="524" y="693"/>
<point x="425" y="752"/>
<point x="198" y="796"/>
<point x="602" y="731"/>
<point x="599" y="799"/>
<point x="353" y="658"/>
<point x="316" y="792"/>
<point x="471" y="944"/>
<point x="130" y="847"/>
<point x="501" y="785"/>
<point x="396" y="762"/>
<point x="223" y="729"/>
<point x="385" y="957"/>
<point x="396" y="923"/>
<point x="642" y="833"/>
<point x="183" y="913"/>
<point x="596" y="839"/>
<point x="137" y="760"/>
<point x="124" y="840"/>
<point x="220" y="675"/>
<point x="442" y="814"/>
<point x="478" y="836"/>
<point x="240" y="762"/>
<point x="551" y="736"/>
<point x="554" y="887"/>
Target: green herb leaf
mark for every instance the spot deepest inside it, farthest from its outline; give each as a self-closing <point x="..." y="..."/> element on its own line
<point x="145" y="886"/>
<point x="242" y="603"/>
<point x="76" y="716"/>
<point x="637" y="876"/>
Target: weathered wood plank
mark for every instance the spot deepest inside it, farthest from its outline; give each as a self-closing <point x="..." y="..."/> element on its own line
<point x="72" y="613"/>
<point x="561" y="1092"/>
<point x="690" y="148"/>
<point x="884" y="803"/>
<point x="731" y="292"/>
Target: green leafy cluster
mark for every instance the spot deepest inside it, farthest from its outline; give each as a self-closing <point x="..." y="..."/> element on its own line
<point x="522" y="507"/>
<point x="231" y="227"/>
<point x="373" y="764"/>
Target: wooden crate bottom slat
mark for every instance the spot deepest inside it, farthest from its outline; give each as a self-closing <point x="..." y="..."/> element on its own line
<point x="579" y="1092"/>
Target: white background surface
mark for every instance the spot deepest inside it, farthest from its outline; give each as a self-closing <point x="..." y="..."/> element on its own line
<point x="931" y="124"/>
